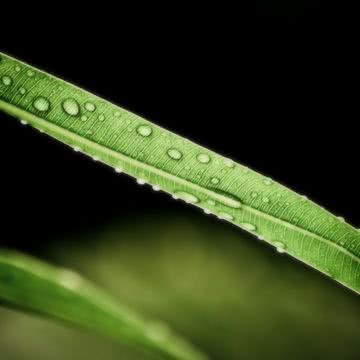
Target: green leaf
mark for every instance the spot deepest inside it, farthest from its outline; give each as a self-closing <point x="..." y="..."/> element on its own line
<point x="32" y="285"/>
<point x="153" y="155"/>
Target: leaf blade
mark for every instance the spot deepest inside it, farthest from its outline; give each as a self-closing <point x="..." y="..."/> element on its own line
<point x="186" y="170"/>
<point x="35" y="286"/>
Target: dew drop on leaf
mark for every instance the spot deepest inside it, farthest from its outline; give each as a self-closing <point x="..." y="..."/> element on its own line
<point x="84" y="118"/>
<point x="22" y="91"/>
<point x="187" y="197"/>
<point x="248" y="226"/>
<point x="101" y="117"/>
<point x="229" y="163"/>
<point x="254" y="194"/>
<point x="118" y="170"/>
<point x="144" y="130"/>
<point x="156" y="188"/>
<point x="30" y="73"/>
<point x="24" y="122"/>
<point x="280" y="246"/>
<point x="174" y="154"/>
<point x="203" y="158"/>
<point x="265" y="199"/>
<point x="6" y="80"/>
<point x="90" y="106"/>
<point x="41" y="104"/>
<point x="225" y="216"/>
<point x="215" y="180"/>
<point x="267" y="181"/>
<point x="141" y="181"/>
<point x="71" y="107"/>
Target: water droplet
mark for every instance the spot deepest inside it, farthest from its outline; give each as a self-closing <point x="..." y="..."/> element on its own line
<point x="22" y="91"/>
<point x="203" y="158"/>
<point x="101" y="117"/>
<point x="141" y="181"/>
<point x="341" y="218"/>
<point x="90" y="106"/>
<point x="118" y="170"/>
<point x="71" y="107"/>
<point x="215" y="180"/>
<point x="95" y="158"/>
<point x="265" y="199"/>
<point x="144" y="130"/>
<point x="24" y="122"/>
<point x="84" y="118"/>
<point x="6" y="80"/>
<point x="225" y="216"/>
<point x="187" y="197"/>
<point x="280" y="247"/>
<point x="267" y="181"/>
<point x="156" y="188"/>
<point x="30" y="73"/>
<point x="228" y="199"/>
<point x="206" y="211"/>
<point x="41" y="104"/>
<point x="248" y="226"/>
<point x="76" y="148"/>
<point x="17" y="68"/>
<point x="254" y="194"/>
<point x="187" y="167"/>
<point x="229" y="163"/>
<point x="174" y="154"/>
<point x="117" y="114"/>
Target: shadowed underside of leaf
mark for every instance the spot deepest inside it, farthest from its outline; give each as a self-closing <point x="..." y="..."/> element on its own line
<point x="32" y="285"/>
<point x="153" y="155"/>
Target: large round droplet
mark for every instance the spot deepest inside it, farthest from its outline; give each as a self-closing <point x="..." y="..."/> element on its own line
<point x="90" y="106"/>
<point x="203" y="158"/>
<point x="248" y="226"/>
<point x="71" y="107"/>
<point x="22" y="91"/>
<point x="144" y="130"/>
<point x="30" y="73"/>
<point x="187" y="197"/>
<point x="174" y="154"/>
<point x="41" y="104"/>
<point x="6" y="80"/>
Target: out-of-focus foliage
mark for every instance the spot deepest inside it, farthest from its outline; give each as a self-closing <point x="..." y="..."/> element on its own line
<point x="220" y="287"/>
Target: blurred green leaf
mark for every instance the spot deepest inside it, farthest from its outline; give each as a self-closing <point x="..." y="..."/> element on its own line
<point x="35" y="286"/>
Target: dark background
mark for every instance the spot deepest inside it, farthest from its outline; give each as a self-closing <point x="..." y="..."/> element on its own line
<point x="271" y="86"/>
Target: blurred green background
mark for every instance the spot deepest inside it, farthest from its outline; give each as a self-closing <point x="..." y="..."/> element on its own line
<point x="231" y="294"/>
